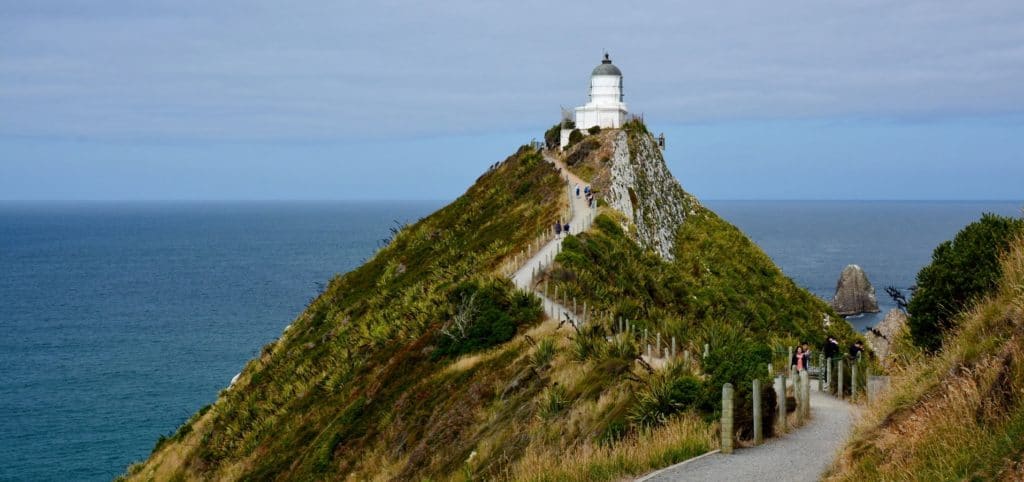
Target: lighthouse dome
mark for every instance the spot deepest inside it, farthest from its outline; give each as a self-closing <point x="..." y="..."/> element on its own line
<point x="606" y="68"/>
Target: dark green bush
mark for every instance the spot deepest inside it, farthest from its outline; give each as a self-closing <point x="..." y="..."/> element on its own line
<point x="553" y="136"/>
<point x="735" y="357"/>
<point x="665" y="396"/>
<point x="485" y="315"/>
<point x="594" y="130"/>
<point x="574" y="137"/>
<point x="961" y="271"/>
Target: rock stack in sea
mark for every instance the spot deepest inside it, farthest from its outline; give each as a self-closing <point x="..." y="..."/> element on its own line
<point x="854" y="293"/>
<point x="880" y="337"/>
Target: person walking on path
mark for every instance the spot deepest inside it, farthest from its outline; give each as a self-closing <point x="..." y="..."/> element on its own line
<point x="808" y="358"/>
<point x="577" y="190"/>
<point x="799" y="359"/>
<point x="831" y="347"/>
<point x="565" y="229"/>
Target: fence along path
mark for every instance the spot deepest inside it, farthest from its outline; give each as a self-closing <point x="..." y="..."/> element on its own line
<point x="581" y="215"/>
<point x="803" y="454"/>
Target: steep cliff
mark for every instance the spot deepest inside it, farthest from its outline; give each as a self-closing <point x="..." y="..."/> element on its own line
<point x="426" y="363"/>
<point x="643" y="188"/>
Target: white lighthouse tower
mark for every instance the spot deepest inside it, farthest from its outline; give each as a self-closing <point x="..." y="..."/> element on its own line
<point x="605" y="108"/>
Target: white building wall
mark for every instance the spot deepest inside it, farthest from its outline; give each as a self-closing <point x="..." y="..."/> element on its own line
<point x="605" y="108"/>
<point x="606" y="89"/>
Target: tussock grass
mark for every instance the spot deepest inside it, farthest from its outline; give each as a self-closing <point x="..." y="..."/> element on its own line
<point x="683" y="437"/>
<point x="957" y="415"/>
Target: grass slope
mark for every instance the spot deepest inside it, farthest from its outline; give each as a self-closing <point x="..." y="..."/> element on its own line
<point x="356" y="363"/>
<point x="366" y="385"/>
<point x="958" y="415"/>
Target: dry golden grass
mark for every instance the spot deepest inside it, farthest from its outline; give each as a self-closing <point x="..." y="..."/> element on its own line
<point x="683" y="437"/>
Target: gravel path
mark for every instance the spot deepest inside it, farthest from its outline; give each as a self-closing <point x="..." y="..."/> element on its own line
<point x="582" y="216"/>
<point x="801" y="455"/>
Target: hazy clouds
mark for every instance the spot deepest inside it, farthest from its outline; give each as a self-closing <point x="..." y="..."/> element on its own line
<point x="331" y="70"/>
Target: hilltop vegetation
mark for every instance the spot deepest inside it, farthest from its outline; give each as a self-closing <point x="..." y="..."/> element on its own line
<point x="961" y="271"/>
<point x="426" y="363"/>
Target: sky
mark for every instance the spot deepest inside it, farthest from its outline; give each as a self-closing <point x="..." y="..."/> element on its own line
<point x="183" y="99"/>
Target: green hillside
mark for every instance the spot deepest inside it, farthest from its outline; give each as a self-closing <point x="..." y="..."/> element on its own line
<point x="426" y="363"/>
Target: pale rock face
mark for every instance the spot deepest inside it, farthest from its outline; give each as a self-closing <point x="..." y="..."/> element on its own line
<point x="645" y="191"/>
<point x="854" y="293"/>
<point x="894" y="323"/>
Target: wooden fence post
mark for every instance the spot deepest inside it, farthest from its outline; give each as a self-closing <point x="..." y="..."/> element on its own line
<point x="828" y="373"/>
<point x="821" y="373"/>
<point x="758" y="419"/>
<point x="780" y="399"/>
<point x="853" y="381"/>
<point x="727" y="418"/>
<point x="798" y="393"/>
<point x="839" y="369"/>
<point x="805" y="383"/>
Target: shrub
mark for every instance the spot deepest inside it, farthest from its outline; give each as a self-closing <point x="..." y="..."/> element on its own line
<point x="594" y="130"/>
<point x="574" y="137"/>
<point x="735" y="357"/>
<point x="544" y="353"/>
<point x="553" y="401"/>
<point x="553" y="136"/>
<point x="587" y="342"/>
<point x="484" y="315"/>
<point x="668" y="393"/>
<point x="584" y="150"/>
<point x="961" y="271"/>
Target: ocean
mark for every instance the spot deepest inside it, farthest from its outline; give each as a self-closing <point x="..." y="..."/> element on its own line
<point x="120" y="320"/>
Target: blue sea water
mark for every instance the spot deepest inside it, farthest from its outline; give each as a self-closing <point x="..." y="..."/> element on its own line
<point x="119" y="320"/>
<point x="812" y="241"/>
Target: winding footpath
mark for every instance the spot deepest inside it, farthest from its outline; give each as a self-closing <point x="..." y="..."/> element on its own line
<point x="802" y="455"/>
<point x="580" y="218"/>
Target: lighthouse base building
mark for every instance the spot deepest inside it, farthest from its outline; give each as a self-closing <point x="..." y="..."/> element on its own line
<point x="605" y="108"/>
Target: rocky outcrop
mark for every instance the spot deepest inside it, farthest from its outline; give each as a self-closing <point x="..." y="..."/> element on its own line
<point x="854" y="293"/>
<point x="642" y="188"/>
<point x="880" y="337"/>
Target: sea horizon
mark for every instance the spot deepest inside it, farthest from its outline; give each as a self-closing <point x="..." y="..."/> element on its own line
<point x="125" y="317"/>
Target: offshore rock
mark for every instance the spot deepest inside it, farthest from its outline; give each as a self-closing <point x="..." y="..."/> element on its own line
<point x="854" y="293"/>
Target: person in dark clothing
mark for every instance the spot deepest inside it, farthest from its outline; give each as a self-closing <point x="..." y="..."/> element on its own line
<point x="856" y="349"/>
<point x="565" y="229"/>
<point x="558" y="228"/>
<point x="831" y="348"/>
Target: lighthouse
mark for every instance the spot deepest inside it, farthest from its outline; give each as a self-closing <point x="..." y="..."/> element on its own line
<point x="604" y="108"/>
